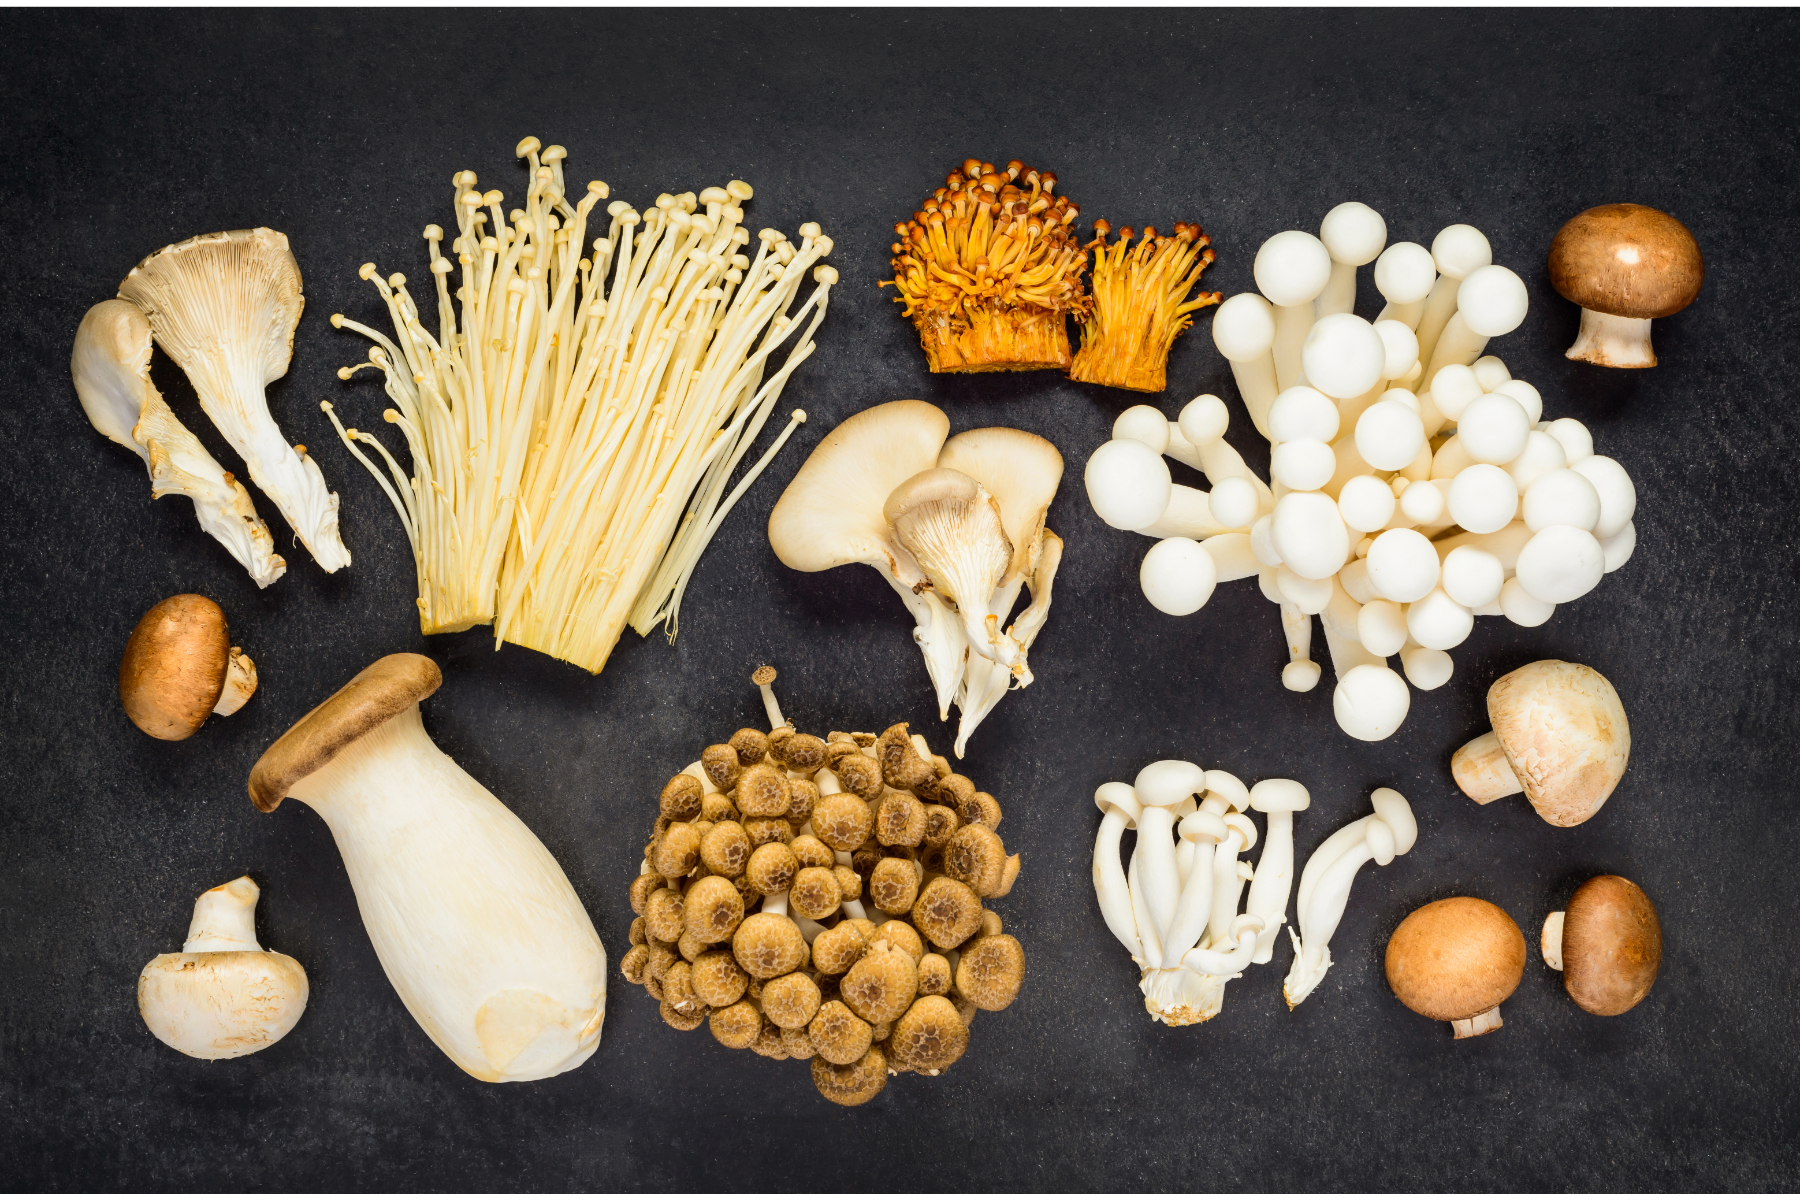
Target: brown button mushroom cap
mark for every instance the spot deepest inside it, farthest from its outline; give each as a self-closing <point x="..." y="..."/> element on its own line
<point x="798" y="1044"/>
<point x="842" y="821"/>
<point x="859" y="775"/>
<point x="849" y="882"/>
<point x="930" y="1036"/>
<point x="837" y="949"/>
<point x="815" y="894"/>
<point x="174" y="668"/>
<point x="894" y="885"/>
<point x="1629" y="262"/>
<point x="763" y="830"/>
<point x="811" y="852"/>
<point x="751" y="746"/>
<point x="721" y="765"/>
<point x="712" y="909"/>
<point x="990" y="971"/>
<point x="941" y="824"/>
<point x="677" y="851"/>
<point x="857" y="1083"/>
<point x="948" y="912"/>
<point x="664" y="915"/>
<point x="767" y="945"/>
<point x="717" y="979"/>
<point x="641" y="890"/>
<point x="900" y="821"/>
<point x="803" y="797"/>
<point x="725" y="850"/>
<point x="684" y="1020"/>
<point x="881" y="985"/>
<point x="662" y="957"/>
<point x="901" y="765"/>
<point x="900" y="936"/>
<point x="737" y="1026"/>
<point x="1611" y="945"/>
<point x="762" y="791"/>
<point x="977" y="857"/>
<point x="1455" y="960"/>
<point x="838" y="1035"/>
<point x="681" y="798"/>
<point x="717" y="808"/>
<point x="772" y="868"/>
<point x="934" y="975"/>
<point x="1559" y="735"/>
<point x="791" y="1001"/>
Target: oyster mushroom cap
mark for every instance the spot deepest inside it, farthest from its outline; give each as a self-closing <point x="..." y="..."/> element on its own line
<point x="1560" y="735"/>
<point x="1022" y="471"/>
<point x="951" y="524"/>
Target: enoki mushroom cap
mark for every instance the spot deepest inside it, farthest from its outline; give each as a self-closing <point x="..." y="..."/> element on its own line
<point x="1455" y="959"/>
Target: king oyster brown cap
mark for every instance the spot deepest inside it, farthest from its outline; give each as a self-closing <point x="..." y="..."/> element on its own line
<point x="380" y="690"/>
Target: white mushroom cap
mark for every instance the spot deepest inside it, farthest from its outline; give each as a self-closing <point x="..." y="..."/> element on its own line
<point x="1204" y="420"/>
<point x="1201" y="826"/>
<point x="1619" y="546"/>
<point x="1542" y="453"/>
<point x="1235" y="503"/>
<point x="1343" y="356"/>
<point x="1459" y="249"/>
<point x="1353" y="233"/>
<point x="1522" y="608"/>
<point x="1618" y="497"/>
<point x="1437" y="622"/>
<point x="1403" y="565"/>
<point x="1576" y="441"/>
<point x="1427" y="669"/>
<point x="1483" y="498"/>
<point x="1402" y="346"/>
<point x="1292" y="268"/>
<point x="1473" y="577"/>
<point x="1128" y="484"/>
<point x="1381" y="627"/>
<point x="1454" y="388"/>
<point x="1141" y="423"/>
<point x="1389" y="435"/>
<point x="1561" y="497"/>
<point x="1309" y="535"/>
<point x="1405" y="272"/>
<point x="1118" y="797"/>
<point x="1492" y="301"/>
<point x="1490" y="372"/>
<point x="1370" y="702"/>
<point x="1392" y="810"/>
<point x="1561" y="563"/>
<point x="1178" y="576"/>
<point x="1423" y="501"/>
<point x="1366" y="503"/>
<point x="1529" y="398"/>
<point x="1244" y="327"/>
<point x="1310" y="596"/>
<point x="1493" y="428"/>
<point x="1280" y="795"/>
<point x="1304" y="466"/>
<point x="1229" y="788"/>
<point x="1301" y="413"/>
<point x="1168" y="782"/>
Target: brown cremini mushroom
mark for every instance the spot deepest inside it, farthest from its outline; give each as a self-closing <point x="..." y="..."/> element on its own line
<point x="881" y="985"/>
<point x="711" y="910"/>
<point x="857" y="1083"/>
<point x="1607" y="944"/>
<point x="717" y="979"/>
<point x="1625" y="265"/>
<point x="791" y="1001"/>
<point x="179" y="666"/>
<point x="737" y="1026"/>
<point x="767" y="945"/>
<point x="1559" y="735"/>
<point x="930" y="1036"/>
<point x="990" y="971"/>
<point x="1455" y="960"/>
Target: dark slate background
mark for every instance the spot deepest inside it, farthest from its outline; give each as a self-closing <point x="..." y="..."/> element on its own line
<point x="125" y="132"/>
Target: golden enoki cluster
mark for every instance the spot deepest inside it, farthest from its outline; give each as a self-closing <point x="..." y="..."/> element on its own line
<point x="1140" y="305"/>
<point x="751" y="903"/>
<point x="988" y="267"/>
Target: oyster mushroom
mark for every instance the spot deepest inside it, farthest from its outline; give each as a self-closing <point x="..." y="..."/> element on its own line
<point x="179" y="667"/>
<point x="111" y="366"/>
<point x="224" y="307"/>
<point x="1559" y="735"/>
<point x="1625" y="265"/>
<point x="223" y="995"/>
<point x="1455" y="960"/>
<point x="1607" y="943"/>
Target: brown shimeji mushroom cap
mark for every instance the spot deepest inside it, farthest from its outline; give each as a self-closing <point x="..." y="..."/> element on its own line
<point x="857" y="1083"/>
<point x="383" y="689"/>
<point x="767" y="945"/>
<point x="948" y="912"/>
<point x="174" y="667"/>
<point x="881" y="985"/>
<point x="930" y="1036"/>
<point x="990" y="972"/>
<point x="838" y="1035"/>
<point x="1611" y="945"/>
<point x="791" y="1001"/>
<point x="1455" y="959"/>
<point x="1627" y="260"/>
<point x="717" y="979"/>
<point x="737" y="1026"/>
<point x="712" y="909"/>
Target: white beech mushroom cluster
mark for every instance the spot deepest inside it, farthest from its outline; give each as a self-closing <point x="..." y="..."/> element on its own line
<point x="1176" y="907"/>
<point x="751" y="903"/>
<point x="1414" y="483"/>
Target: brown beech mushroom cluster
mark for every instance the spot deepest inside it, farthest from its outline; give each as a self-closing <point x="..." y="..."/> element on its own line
<point x="825" y="900"/>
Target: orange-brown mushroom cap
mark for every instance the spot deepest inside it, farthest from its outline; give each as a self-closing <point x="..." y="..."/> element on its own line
<point x="1611" y="945"/>
<point x="1627" y="260"/>
<point x="857" y="1083"/>
<point x="1456" y="958"/>
<point x="174" y="666"/>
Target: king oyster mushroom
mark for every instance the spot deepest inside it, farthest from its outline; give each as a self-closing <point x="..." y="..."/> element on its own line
<point x="956" y="527"/>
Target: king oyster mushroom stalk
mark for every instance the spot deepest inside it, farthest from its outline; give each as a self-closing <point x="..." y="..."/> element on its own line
<point x="111" y="366"/>
<point x="955" y="526"/>
<point x="223" y="995"/>
<point x="224" y="307"/>
<point x="473" y="920"/>
<point x="1325" y="884"/>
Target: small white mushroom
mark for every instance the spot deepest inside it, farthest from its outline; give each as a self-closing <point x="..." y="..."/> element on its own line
<point x="1309" y="534"/>
<point x="1389" y="434"/>
<point x="1522" y="608"/>
<point x="1178" y="576"/>
<point x="1381" y="627"/>
<point x="1576" y="441"/>
<point x="1370" y="702"/>
<point x="1438" y="622"/>
<point x="1490" y="302"/>
<point x="1235" y="503"/>
<point x="1403" y="565"/>
<point x="1244" y="331"/>
<point x="1303" y="414"/>
<point x="1279" y="800"/>
<point x="1493" y="428"/>
<point x="1472" y="576"/>
<point x="1483" y="498"/>
<point x="1366" y="503"/>
<point x="1456" y="251"/>
<point x="1200" y="831"/>
<point x="1561" y="497"/>
<point x="1619" y="546"/>
<point x="1160" y="787"/>
<point x="1391" y="832"/>
<point x="1402" y="346"/>
<point x="1529" y="398"/>
<point x="1453" y="389"/>
<point x="1302" y="466"/>
<point x="1120" y="805"/>
<point x="1291" y="269"/>
<point x="1542" y="454"/>
<point x="1403" y="275"/>
<point x="1618" y="497"/>
<point x="1490" y="372"/>
<point x="1301" y="674"/>
<point x="1427" y="669"/>
<point x="1141" y="423"/>
<point x="1423" y="502"/>
<point x="1353" y="234"/>
<point x="1343" y="356"/>
<point x="1128" y="484"/>
<point x="1561" y="563"/>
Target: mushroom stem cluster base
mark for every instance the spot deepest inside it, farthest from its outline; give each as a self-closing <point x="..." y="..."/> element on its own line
<point x="983" y="339"/>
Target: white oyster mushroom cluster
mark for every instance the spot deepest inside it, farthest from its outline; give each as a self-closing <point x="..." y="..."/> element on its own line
<point x="1414" y="483"/>
<point x="1176" y="908"/>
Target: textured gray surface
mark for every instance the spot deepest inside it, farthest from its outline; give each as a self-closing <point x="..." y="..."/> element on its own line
<point x="125" y="132"/>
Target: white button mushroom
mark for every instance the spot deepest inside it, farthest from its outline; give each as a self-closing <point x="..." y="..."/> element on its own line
<point x="1493" y="428"/>
<point x="1427" y="669"/>
<point x="1561" y="497"/>
<point x="1483" y="498"/>
<point x="1437" y="622"/>
<point x="1128" y="484"/>
<point x="1244" y="331"/>
<point x="1291" y="269"/>
<point x="1618" y="497"/>
<point x="1309" y="535"/>
<point x="1403" y="565"/>
<point x="1472" y="576"/>
<point x="1343" y="356"/>
<point x="1561" y="563"/>
<point x="1370" y="702"/>
<point x="1366" y="503"/>
<point x="1403" y="275"/>
<point x="1303" y="466"/>
<point x="1353" y="234"/>
<point x="1389" y="435"/>
<point x="1178" y="576"/>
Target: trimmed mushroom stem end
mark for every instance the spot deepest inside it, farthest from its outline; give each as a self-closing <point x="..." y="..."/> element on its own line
<point x="240" y="683"/>
<point x="1478" y="1024"/>
<point x="1609" y="341"/>
<point x="1550" y="941"/>
<point x="1482" y="771"/>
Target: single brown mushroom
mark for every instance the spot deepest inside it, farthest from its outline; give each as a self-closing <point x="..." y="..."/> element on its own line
<point x="976" y="856"/>
<point x="837" y="949"/>
<point x="1607" y="944"/>
<point x="725" y="850"/>
<point x="948" y="912"/>
<point x="772" y="868"/>
<point x="857" y="1083"/>
<point x="838" y="1035"/>
<point x="681" y="798"/>
<point x="900" y="936"/>
<point x="934" y="975"/>
<point x="1625" y="265"/>
<point x="665" y="914"/>
<point x="1559" y="735"/>
<point x="737" y="1026"/>
<point x="791" y="1001"/>
<point x="179" y="666"/>
<point x="768" y="945"/>
<point x="930" y="1037"/>
<point x="711" y="910"/>
<point x="1455" y="960"/>
<point x="815" y="893"/>
<point x="881" y="985"/>
<point x="717" y="979"/>
<point x="762" y="791"/>
<point x="894" y="885"/>
<point x="990" y="971"/>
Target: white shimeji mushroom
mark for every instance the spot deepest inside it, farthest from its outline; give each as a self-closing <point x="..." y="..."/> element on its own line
<point x="1456" y="250"/>
<point x="1278" y="800"/>
<point x="1291" y="269"/>
<point x="1244" y="332"/>
<point x="1490" y="302"/>
<point x="1121" y="808"/>
<point x="1353" y="234"/>
<point x="1404" y="275"/>
<point x="1325" y="884"/>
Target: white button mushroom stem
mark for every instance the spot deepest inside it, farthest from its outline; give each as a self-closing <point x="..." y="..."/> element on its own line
<point x="1301" y="674"/>
<point x="1390" y="832"/>
<point x="1121" y="806"/>
<point x="1279" y="800"/>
